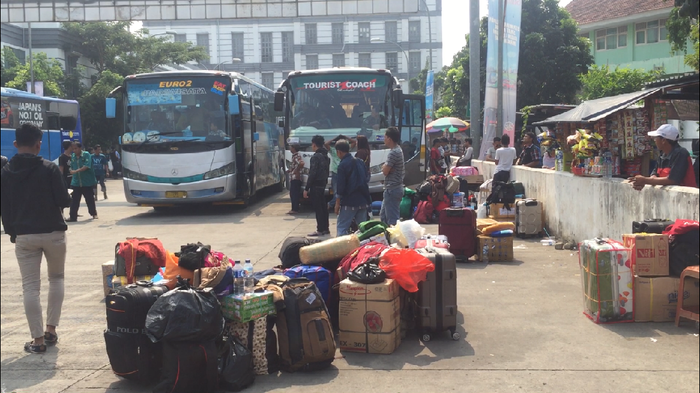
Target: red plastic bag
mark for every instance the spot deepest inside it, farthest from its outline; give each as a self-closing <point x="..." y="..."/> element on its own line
<point x="405" y="266"/>
<point x="682" y="226"/>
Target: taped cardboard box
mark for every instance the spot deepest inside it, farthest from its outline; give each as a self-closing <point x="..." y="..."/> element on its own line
<point x="498" y="210"/>
<point x="649" y="253"/>
<point x="656" y="298"/>
<point x="500" y="248"/>
<point x="369" y="317"/>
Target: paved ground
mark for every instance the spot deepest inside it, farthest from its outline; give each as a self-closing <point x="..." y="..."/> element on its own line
<point x="521" y="322"/>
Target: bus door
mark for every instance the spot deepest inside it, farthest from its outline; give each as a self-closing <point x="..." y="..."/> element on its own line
<point x="244" y="138"/>
<point x="413" y="132"/>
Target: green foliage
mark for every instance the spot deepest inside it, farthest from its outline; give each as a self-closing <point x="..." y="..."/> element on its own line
<point x="8" y="66"/>
<point x="681" y="30"/>
<point x="600" y="81"/>
<point x="97" y="128"/>
<point x="443" y="112"/>
<point x="47" y="70"/>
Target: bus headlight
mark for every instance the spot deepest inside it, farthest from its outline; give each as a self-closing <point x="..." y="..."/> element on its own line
<point x="376" y="169"/>
<point x="129" y="174"/>
<point x="223" y="171"/>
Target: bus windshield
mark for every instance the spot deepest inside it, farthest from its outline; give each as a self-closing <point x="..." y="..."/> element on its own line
<point x="168" y="109"/>
<point x="333" y="104"/>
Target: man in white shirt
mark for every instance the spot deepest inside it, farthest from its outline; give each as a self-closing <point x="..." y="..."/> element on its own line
<point x="466" y="159"/>
<point x="491" y="152"/>
<point x="505" y="157"/>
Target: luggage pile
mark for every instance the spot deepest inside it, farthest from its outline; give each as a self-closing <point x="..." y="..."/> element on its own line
<point x="438" y="193"/>
<point x="636" y="280"/>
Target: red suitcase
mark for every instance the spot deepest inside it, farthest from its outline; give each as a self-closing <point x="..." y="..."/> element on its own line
<point x="459" y="225"/>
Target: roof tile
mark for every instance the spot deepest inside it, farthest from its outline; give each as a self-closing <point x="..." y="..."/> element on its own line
<point x="591" y="11"/>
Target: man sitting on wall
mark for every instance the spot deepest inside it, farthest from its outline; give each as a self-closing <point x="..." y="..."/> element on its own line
<point x="674" y="168"/>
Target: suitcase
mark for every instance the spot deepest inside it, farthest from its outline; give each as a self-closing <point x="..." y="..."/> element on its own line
<point x="654" y="225"/>
<point x="606" y="276"/>
<point x="320" y="276"/>
<point x="519" y="189"/>
<point x="189" y="366"/>
<point x="528" y="217"/>
<point x="436" y="299"/>
<point x="459" y="225"/>
<point x="131" y="353"/>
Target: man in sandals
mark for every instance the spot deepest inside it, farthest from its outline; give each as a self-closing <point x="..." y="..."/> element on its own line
<point x="33" y="194"/>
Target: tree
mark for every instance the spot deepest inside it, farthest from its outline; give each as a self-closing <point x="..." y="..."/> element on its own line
<point x="443" y="112"/>
<point x="97" y="128"/>
<point x="600" y="81"/>
<point x="8" y="65"/>
<point x="46" y="70"/>
<point x="682" y="26"/>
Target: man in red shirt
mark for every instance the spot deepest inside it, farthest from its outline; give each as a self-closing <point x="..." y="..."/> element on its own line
<point x="435" y="158"/>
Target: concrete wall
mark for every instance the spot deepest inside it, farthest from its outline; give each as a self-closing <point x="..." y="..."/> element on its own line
<point x="578" y="208"/>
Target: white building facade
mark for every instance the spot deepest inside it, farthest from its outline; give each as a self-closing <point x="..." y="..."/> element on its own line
<point x="399" y="35"/>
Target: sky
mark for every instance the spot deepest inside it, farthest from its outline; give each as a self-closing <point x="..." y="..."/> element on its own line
<point x="455" y="25"/>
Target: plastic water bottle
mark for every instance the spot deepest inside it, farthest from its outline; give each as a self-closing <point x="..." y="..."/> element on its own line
<point x="238" y="279"/>
<point x="485" y="254"/>
<point x="249" y="280"/>
<point x="559" y="163"/>
<point x="547" y="242"/>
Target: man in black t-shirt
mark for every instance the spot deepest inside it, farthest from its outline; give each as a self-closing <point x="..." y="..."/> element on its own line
<point x="64" y="162"/>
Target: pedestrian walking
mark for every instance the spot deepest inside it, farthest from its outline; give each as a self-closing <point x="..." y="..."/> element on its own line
<point x="316" y="185"/>
<point x="330" y="146"/>
<point x="33" y="193"/>
<point x="82" y="183"/>
<point x="116" y="159"/>
<point x="353" y="190"/>
<point x="64" y="162"/>
<point x="505" y="157"/>
<point x="101" y="168"/>
<point x="295" y="176"/>
<point x="393" y="171"/>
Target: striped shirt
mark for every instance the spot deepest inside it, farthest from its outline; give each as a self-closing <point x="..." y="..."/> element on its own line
<point x="395" y="160"/>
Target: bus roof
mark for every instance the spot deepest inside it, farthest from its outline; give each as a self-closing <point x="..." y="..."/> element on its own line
<point x="184" y="72"/>
<point x="9" y="92"/>
<point x="340" y="70"/>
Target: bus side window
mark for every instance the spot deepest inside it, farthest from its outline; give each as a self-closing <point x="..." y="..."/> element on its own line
<point x="53" y="123"/>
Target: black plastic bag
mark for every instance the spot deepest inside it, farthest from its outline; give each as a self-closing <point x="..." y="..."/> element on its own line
<point x="236" y="370"/>
<point x="368" y="272"/>
<point x="185" y="314"/>
<point x="193" y="255"/>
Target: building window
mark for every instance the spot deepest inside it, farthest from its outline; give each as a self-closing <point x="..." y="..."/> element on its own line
<point x="180" y="37"/>
<point x="391" y="31"/>
<point x="287" y="46"/>
<point x="414" y="31"/>
<point x="268" y="80"/>
<point x="607" y="39"/>
<point x="392" y="62"/>
<point x="19" y="53"/>
<point x="339" y="60"/>
<point x="311" y="62"/>
<point x="266" y="47"/>
<point x="365" y="60"/>
<point x="237" y="50"/>
<point x="651" y="32"/>
<point x="203" y="41"/>
<point x="414" y="62"/>
<point x="338" y="33"/>
<point x="311" y="33"/>
<point x="365" y="32"/>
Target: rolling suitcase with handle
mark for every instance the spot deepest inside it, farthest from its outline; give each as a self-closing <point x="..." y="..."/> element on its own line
<point x="528" y="217"/>
<point x="436" y="299"/>
<point x="459" y="225"/>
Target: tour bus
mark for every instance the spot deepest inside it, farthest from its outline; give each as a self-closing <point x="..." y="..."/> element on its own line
<point x="352" y="102"/>
<point x="198" y="137"/>
<point x="58" y="118"/>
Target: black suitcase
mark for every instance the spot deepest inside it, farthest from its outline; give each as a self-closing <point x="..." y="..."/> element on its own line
<point x="189" y="367"/>
<point x="131" y="353"/>
<point x="436" y="299"/>
<point x="654" y="225"/>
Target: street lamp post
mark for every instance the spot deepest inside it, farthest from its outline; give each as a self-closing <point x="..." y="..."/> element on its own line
<point x="430" y="34"/>
<point x="167" y="32"/>
<point x="408" y="66"/>
<point x="234" y="60"/>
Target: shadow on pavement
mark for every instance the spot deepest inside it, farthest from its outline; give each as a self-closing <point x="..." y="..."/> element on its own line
<point x="23" y="372"/>
<point x="651" y="329"/>
<point x="283" y="380"/>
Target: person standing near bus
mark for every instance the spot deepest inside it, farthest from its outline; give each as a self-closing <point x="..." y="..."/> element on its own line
<point x="353" y="191"/>
<point x="64" y="162"/>
<point x="82" y="183"/>
<point x="316" y="185"/>
<point x="393" y="171"/>
<point x="33" y="194"/>
<point x="335" y="161"/>
<point x="99" y="165"/>
<point x="295" y="176"/>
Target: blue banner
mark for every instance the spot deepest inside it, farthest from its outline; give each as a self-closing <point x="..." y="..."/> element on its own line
<point x="511" y="52"/>
<point x="429" y="97"/>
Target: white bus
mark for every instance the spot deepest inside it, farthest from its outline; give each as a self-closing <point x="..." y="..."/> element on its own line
<point x="198" y="137"/>
<point x="352" y="102"/>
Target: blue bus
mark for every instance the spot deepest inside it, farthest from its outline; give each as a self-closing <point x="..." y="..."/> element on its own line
<point x="58" y="118"/>
<point x="198" y="137"/>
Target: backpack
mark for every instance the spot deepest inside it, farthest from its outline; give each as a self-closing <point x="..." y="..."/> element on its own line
<point x="305" y="335"/>
<point x="318" y="274"/>
<point x="683" y="252"/>
<point x="502" y="193"/>
<point x="289" y="252"/>
<point x="424" y="212"/>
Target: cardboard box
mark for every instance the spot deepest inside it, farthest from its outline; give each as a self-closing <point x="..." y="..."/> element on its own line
<point x="656" y="298"/>
<point x="649" y="253"/>
<point x="245" y="308"/>
<point x="500" y="248"/>
<point x="497" y="210"/>
<point x="369" y="317"/>
<point x="475" y="179"/>
<point x="107" y="275"/>
<point x="120" y="281"/>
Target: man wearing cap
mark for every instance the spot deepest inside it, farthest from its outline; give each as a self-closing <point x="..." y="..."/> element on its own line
<point x="674" y="168"/>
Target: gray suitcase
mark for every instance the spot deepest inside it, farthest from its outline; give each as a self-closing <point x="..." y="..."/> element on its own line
<point x="528" y="217"/>
<point x="436" y="299"/>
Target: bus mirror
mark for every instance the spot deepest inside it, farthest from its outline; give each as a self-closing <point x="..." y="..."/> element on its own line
<point x="111" y="107"/>
<point x="279" y="101"/>
<point x="234" y="105"/>
<point x="398" y="95"/>
<point x="256" y="136"/>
